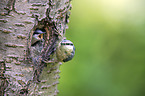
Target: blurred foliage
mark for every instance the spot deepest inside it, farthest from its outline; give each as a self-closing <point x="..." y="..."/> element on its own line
<point x="109" y="36"/>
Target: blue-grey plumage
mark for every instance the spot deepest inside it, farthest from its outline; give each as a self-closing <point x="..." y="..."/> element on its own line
<point x="65" y="51"/>
<point x="37" y="36"/>
<point x="38" y="31"/>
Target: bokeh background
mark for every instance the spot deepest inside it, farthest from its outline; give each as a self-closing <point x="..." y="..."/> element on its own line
<point x="109" y="36"/>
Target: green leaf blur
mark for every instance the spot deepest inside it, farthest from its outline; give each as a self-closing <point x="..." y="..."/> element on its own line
<point x="109" y="36"/>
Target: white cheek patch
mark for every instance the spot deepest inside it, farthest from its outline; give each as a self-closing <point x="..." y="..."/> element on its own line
<point x="69" y="49"/>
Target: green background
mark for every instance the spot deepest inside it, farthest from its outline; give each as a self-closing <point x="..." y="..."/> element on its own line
<point x="109" y="36"/>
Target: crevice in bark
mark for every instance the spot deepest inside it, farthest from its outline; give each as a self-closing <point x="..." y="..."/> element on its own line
<point x="3" y="79"/>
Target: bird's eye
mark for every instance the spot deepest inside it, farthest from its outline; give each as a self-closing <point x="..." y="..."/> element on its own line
<point x="39" y="36"/>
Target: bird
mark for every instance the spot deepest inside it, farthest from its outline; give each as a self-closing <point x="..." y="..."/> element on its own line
<point x="65" y="51"/>
<point x="37" y="36"/>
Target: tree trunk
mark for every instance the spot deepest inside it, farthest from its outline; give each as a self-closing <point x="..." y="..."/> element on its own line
<point x="24" y="69"/>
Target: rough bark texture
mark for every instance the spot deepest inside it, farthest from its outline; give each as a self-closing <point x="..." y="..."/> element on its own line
<point x="23" y="68"/>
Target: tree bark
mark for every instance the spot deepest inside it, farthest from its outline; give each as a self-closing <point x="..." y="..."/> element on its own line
<point x="24" y="69"/>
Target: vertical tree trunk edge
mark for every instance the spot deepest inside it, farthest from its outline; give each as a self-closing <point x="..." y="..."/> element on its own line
<point x="22" y="70"/>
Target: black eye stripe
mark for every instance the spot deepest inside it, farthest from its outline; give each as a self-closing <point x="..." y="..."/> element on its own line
<point x="67" y="44"/>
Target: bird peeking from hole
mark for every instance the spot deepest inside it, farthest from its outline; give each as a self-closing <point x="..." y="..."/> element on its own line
<point x="65" y="51"/>
<point x="37" y="37"/>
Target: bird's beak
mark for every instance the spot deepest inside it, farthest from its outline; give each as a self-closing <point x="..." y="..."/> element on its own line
<point x="40" y="36"/>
